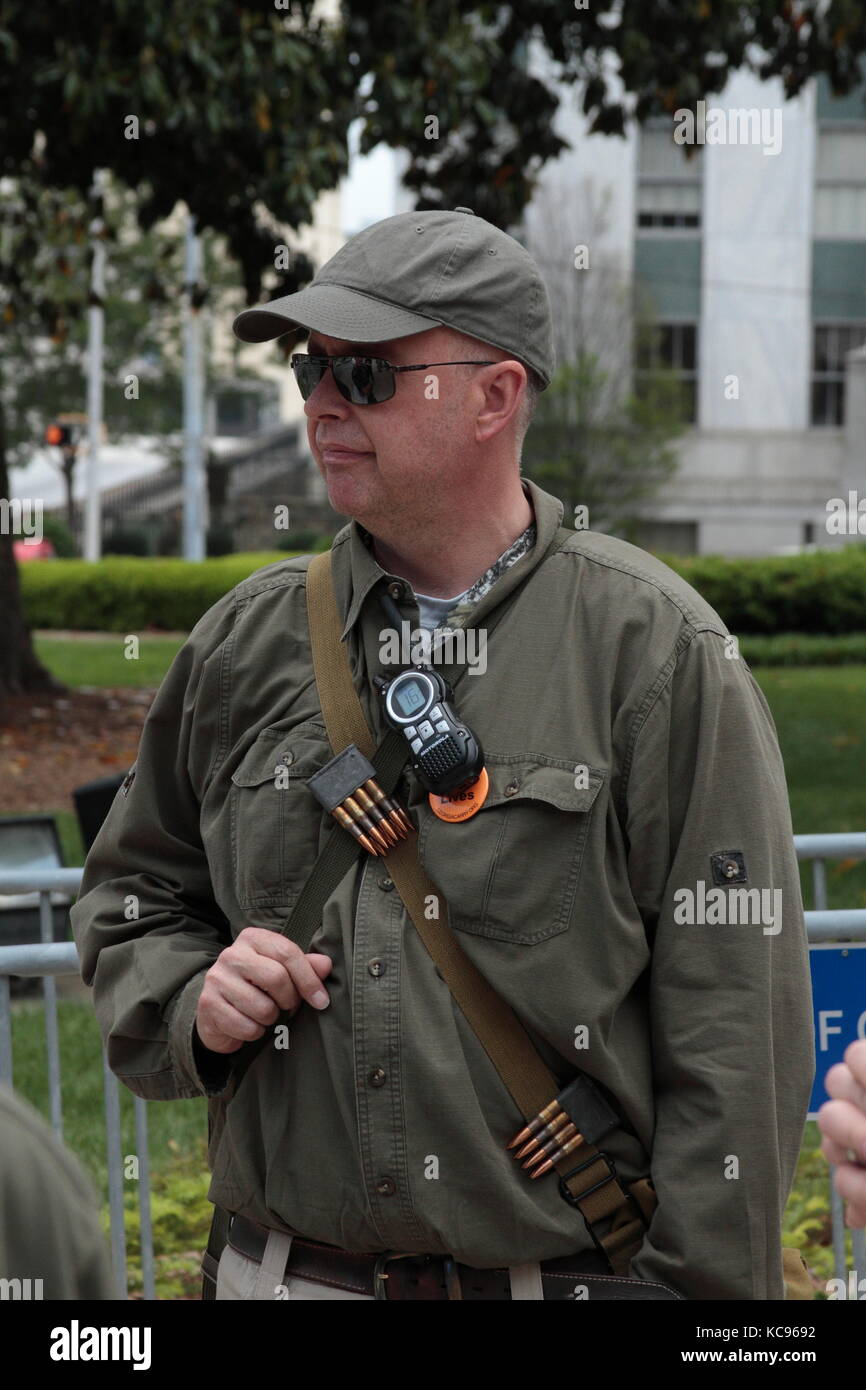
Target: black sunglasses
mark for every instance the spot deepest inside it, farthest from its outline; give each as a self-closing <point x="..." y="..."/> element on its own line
<point x="360" y="380"/>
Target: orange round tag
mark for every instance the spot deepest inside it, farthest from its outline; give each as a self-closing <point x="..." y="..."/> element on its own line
<point x="462" y="804"/>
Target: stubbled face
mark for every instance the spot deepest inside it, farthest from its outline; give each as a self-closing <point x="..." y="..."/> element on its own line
<point x="414" y="452"/>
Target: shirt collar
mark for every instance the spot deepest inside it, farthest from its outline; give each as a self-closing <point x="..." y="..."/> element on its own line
<point x="356" y="571"/>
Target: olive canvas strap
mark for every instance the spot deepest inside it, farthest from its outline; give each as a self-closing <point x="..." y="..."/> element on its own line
<point x="594" y="1188"/>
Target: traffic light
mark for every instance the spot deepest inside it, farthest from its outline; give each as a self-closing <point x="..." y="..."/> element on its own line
<point x="59" y="435"/>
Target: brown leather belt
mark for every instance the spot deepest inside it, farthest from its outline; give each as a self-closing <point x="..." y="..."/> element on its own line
<point x="394" y="1275"/>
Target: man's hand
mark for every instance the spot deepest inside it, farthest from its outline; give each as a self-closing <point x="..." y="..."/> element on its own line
<point x="842" y="1121"/>
<point x="251" y="983"/>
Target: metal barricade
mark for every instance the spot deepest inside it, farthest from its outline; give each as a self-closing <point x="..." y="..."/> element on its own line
<point x="48" y="960"/>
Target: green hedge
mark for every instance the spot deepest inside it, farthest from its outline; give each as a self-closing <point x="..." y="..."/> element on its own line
<point x="804" y="649"/>
<point x="128" y="594"/>
<point x="822" y="593"/>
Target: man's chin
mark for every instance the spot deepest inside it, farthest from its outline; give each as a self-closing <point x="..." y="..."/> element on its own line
<point x="347" y="495"/>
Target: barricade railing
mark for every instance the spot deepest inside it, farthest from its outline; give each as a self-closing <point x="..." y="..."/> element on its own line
<point x="50" y="959"/>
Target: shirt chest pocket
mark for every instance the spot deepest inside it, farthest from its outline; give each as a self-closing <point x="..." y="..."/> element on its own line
<point x="511" y="871"/>
<point x="276" y="822"/>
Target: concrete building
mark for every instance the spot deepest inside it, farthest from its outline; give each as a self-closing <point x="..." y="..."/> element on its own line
<point x="752" y="254"/>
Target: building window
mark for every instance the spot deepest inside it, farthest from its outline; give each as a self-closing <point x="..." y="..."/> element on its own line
<point x="668" y="183"/>
<point x="830" y="343"/>
<point x="674" y="346"/>
<point x="668" y="205"/>
<point x="840" y="183"/>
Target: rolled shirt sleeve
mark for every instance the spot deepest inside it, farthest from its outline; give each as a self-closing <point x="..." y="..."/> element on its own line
<point x="146" y="922"/>
<point x="730" y="1000"/>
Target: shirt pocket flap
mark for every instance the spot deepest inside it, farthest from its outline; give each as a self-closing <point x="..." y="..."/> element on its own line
<point x="510" y="872"/>
<point x="297" y="752"/>
<point x="536" y="777"/>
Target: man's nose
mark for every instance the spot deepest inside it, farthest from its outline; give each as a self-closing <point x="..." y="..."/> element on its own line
<point x="325" y="399"/>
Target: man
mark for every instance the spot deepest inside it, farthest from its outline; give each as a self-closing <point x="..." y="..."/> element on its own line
<point x="842" y="1122"/>
<point x="636" y="796"/>
<point x="51" y="1242"/>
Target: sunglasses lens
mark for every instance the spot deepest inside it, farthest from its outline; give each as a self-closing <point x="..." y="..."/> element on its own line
<point x="364" y="380"/>
<point x="308" y="373"/>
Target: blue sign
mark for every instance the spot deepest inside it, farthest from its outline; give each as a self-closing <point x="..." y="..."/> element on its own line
<point x="838" y="1006"/>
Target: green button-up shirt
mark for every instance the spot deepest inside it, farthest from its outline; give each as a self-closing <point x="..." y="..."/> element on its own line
<point x="632" y="761"/>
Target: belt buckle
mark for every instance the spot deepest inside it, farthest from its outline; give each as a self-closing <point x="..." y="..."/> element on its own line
<point x="380" y="1288"/>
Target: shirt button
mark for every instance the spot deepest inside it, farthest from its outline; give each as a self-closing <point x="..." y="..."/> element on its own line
<point x="376" y="968"/>
<point x="386" y="884"/>
<point x="288" y="758"/>
<point x="512" y="787"/>
<point x="386" y="1187"/>
<point x="396" y="591"/>
<point x="377" y="1077"/>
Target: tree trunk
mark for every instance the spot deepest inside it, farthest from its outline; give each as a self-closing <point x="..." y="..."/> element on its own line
<point x="68" y="475"/>
<point x="21" y="671"/>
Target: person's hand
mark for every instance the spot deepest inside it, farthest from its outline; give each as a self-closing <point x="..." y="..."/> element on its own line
<point x="842" y="1121"/>
<point x="253" y="981"/>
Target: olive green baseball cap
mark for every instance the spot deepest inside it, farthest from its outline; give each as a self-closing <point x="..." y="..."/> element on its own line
<point x="416" y="271"/>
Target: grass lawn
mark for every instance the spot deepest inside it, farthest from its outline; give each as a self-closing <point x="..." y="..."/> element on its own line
<point x="818" y="713"/>
<point x="819" y="717"/>
<point x="101" y="660"/>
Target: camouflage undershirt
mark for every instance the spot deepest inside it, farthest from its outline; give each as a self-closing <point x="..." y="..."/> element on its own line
<point x="463" y="603"/>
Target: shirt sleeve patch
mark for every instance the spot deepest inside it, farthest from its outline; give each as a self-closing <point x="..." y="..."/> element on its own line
<point x="729" y="866"/>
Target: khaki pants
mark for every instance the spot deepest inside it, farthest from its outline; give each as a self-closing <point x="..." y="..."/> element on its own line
<point x="238" y="1276"/>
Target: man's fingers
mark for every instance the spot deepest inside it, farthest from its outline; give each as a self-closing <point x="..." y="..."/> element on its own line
<point x="274" y="964"/>
<point x="843" y="1126"/>
<point x="270" y="961"/>
<point x="219" y="1020"/>
<point x="307" y="979"/>
<point x="307" y="982"/>
<point x="841" y="1083"/>
<point x="248" y="999"/>
<point x="303" y="973"/>
<point x="855" y="1059"/>
<point x="264" y="973"/>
